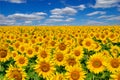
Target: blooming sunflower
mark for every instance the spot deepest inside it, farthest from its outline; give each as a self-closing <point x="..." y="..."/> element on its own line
<point x="14" y="54"/>
<point x="21" y="61"/>
<point x="30" y="52"/>
<point x="58" y="76"/>
<point x="4" y="54"/>
<point x="115" y="76"/>
<point x="78" y="52"/>
<point x="105" y="53"/>
<point x="113" y="64"/>
<point x="75" y="73"/>
<point x="70" y="61"/>
<point x="59" y="58"/>
<point x="44" y="68"/>
<point x="22" y="48"/>
<point x="115" y="50"/>
<point x="15" y="73"/>
<point x="43" y="54"/>
<point x="96" y="63"/>
<point x="88" y="43"/>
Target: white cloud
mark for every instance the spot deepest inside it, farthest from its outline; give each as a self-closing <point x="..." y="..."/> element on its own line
<point x="105" y="16"/>
<point x="56" y="16"/>
<point x="20" y="18"/>
<point x="15" y="1"/>
<point x="70" y="19"/>
<point x="80" y="7"/>
<point x="95" y="13"/>
<point x="33" y="16"/>
<point x="92" y="22"/>
<point x="59" y="20"/>
<point x="28" y="22"/>
<point x="110" y="17"/>
<point x="114" y="18"/>
<point x="5" y="21"/>
<point x="65" y="11"/>
<point x="106" y="3"/>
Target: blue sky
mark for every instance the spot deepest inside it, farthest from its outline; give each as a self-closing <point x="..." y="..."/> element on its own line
<point x="59" y="12"/>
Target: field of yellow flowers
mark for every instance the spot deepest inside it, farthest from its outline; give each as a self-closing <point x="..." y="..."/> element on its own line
<point x="60" y="53"/>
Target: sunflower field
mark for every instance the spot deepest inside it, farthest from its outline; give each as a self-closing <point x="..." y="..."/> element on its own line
<point x="60" y="53"/>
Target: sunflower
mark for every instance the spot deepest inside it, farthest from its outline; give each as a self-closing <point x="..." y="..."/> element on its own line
<point x="4" y="54"/>
<point x="58" y="76"/>
<point x="21" y="61"/>
<point x="14" y="54"/>
<point x="105" y="53"/>
<point x="75" y="73"/>
<point x="44" y="68"/>
<point x="97" y="46"/>
<point x="43" y="54"/>
<point x="15" y="73"/>
<point x="62" y="46"/>
<point x="113" y="64"/>
<point x="88" y="43"/>
<point x="78" y="52"/>
<point x="96" y="63"/>
<point x="112" y="36"/>
<point x="22" y="48"/>
<point x="115" y="50"/>
<point x="59" y="58"/>
<point x="71" y="61"/>
<point x="30" y="52"/>
<point x="115" y="76"/>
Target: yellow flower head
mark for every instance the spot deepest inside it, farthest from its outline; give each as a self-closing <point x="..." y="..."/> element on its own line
<point x="75" y="73"/>
<point x="44" y="68"/>
<point x="15" y="73"/>
<point x="96" y="63"/>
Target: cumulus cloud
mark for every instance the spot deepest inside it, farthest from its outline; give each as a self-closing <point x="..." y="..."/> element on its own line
<point x="105" y="16"/>
<point x="56" y="16"/>
<point x="80" y="7"/>
<point x="65" y="11"/>
<point x="33" y="16"/>
<point x="110" y="17"/>
<point x="59" y="20"/>
<point x="92" y="22"/>
<point x="15" y="1"/>
<point x="95" y="13"/>
<point x="106" y="3"/>
<point x="5" y="21"/>
<point x="22" y="18"/>
<point x="114" y="18"/>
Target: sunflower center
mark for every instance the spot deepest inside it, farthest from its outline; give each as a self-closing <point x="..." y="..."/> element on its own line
<point x="36" y="49"/>
<point x="17" y="45"/>
<point x="45" y="67"/>
<point x="62" y="46"/>
<point x="30" y="52"/>
<point x="3" y="53"/>
<point x="59" y="57"/>
<point x="75" y="75"/>
<point x="119" y="76"/>
<point x="21" y="60"/>
<point x="77" y="52"/>
<point x="97" y="63"/>
<point x="71" y="61"/>
<point x="22" y="48"/>
<point x="53" y="43"/>
<point x="112" y="36"/>
<point x="88" y="43"/>
<point x="115" y="63"/>
<point x="43" y="54"/>
<point x="16" y="75"/>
